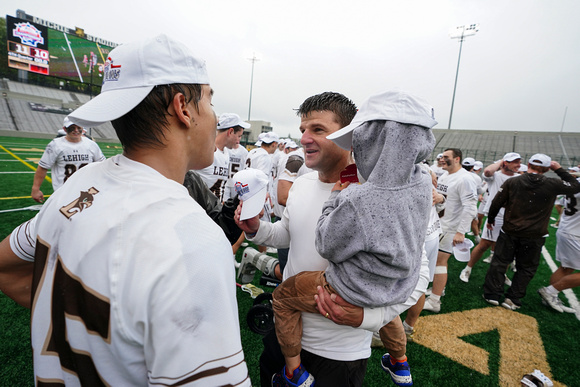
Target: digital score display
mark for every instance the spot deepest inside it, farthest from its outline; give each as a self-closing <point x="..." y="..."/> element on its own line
<point x="27" y="46"/>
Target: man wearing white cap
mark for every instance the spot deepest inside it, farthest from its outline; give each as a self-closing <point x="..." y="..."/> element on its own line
<point x="494" y="175"/>
<point x="336" y="361"/>
<point x="528" y="200"/>
<point x="437" y="167"/>
<point x="229" y="132"/>
<point x="64" y="156"/>
<point x="261" y="158"/>
<point x="124" y="293"/>
<point x="459" y="190"/>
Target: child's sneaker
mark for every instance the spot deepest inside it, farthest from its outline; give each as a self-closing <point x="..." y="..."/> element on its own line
<point x="400" y="371"/>
<point x="300" y="378"/>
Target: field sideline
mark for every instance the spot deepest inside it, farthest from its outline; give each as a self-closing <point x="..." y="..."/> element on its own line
<point x="468" y="343"/>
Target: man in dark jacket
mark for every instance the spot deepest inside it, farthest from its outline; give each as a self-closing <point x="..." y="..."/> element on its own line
<point x="528" y="200"/>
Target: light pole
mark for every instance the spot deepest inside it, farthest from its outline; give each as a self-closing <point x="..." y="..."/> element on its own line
<point x="253" y="59"/>
<point x="460" y="33"/>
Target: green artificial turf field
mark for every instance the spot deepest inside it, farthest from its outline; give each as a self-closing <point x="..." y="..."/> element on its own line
<point x="467" y="343"/>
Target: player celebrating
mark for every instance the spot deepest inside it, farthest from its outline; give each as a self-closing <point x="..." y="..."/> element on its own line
<point x="64" y="156"/>
<point x="124" y="295"/>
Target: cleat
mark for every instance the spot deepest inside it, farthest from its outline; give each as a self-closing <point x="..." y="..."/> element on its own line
<point x="550" y="299"/>
<point x="432" y="306"/>
<point x="491" y="301"/>
<point x="465" y="273"/>
<point x="509" y="304"/>
<point x="400" y="372"/>
<point x="477" y="239"/>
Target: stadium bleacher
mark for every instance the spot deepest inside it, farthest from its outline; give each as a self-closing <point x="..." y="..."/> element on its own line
<point x="21" y="110"/>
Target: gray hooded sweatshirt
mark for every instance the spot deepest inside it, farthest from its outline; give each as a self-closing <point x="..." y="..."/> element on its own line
<point x="373" y="234"/>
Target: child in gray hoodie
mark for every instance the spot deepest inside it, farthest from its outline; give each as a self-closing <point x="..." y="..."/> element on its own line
<point x="372" y="234"/>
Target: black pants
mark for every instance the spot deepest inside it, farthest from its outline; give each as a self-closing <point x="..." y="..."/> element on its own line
<point x="326" y="372"/>
<point x="526" y="252"/>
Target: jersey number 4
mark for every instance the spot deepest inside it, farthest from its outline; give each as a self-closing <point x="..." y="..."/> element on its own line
<point x="73" y="300"/>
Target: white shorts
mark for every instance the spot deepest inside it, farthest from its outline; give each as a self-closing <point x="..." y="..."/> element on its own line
<point x="431" y="248"/>
<point x="568" y="250"/>
<point x="492" y="235"/>
<point x="446" y="242"/>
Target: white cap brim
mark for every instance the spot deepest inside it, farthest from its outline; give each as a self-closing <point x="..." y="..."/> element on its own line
<point x="109" y="106"/>
<point x="252" y="206"/>
<point x="461" y="251"/>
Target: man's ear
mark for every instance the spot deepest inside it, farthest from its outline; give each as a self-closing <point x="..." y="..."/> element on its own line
<point x="183" y="110"/>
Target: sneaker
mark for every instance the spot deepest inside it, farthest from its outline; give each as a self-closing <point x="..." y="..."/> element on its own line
<point x="465" y="273"/>
<point x="507" y="281"/>
<point x="567" y="309"/>
<point x="491" y="301"/>
<point x="431" y="305"/>
<point x="400" y="372"/>
<point x="550" y="299"/>
<point x="509" y="304"/>
<point x="300" y="378"/>
<point x="477" y="239"/>
<point x="488" y="259"/>
<point x="376" y="341"/>
<point x="555" y="225"/>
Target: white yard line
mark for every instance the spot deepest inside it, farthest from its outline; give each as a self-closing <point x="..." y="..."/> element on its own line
<point x="572" y="299"/>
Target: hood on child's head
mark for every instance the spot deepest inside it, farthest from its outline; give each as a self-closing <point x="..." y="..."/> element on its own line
<point x="386" y="152"/>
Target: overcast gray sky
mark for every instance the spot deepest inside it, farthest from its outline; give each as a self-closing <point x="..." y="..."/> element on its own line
<point x="518" y="73"/>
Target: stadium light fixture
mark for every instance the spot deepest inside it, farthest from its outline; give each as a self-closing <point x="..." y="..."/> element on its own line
<point x="253" y="59"/>
<point x="460" y="33"/>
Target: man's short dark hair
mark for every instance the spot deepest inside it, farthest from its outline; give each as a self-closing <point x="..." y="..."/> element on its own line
<point x="236" y="129"/>
<point x="468" y="168"/>
<point x="341" y="106"/>
<point x="144" y="126"/>
<point x="456" y="152"/>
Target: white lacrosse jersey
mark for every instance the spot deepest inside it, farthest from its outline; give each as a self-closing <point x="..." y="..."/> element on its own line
<point x="238" y="158"/>
<point x="570" y="219"/>
<point x="133" y="285"/>
<point x="216" y="175"/>
<point x="460" y="201"/>
<point x="494" y="183"/>
<point x="65" y="158"/>
<point x="259" y="158"/>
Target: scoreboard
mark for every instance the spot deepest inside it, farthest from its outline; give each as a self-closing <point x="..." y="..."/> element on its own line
<point x="47" y="48"/>
<point x="27" y="46"/>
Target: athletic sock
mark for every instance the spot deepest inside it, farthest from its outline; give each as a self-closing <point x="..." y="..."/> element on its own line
<point x="407" y="327"/>
<point x="552" y="290"/>
<point x="289" y="376"/>
<point x="435" y="297"/>
<point x="393" y="360"/>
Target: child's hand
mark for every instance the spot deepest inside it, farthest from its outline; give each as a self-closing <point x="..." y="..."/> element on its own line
<point x="340" y="186"/>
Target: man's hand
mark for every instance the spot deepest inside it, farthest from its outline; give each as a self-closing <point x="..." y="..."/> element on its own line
<point x="458" y="238"/>
<point x="37" y="195"/>
<point x="490" y="225"/>
<point x="555" y="165"/>
<point x="335" y="308"/>
<point x="249" y="226"/>
<point x="437" y="197"/>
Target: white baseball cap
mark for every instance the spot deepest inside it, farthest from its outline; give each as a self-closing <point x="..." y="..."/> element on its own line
<point x="511" y="156"/>
<point x="523" y="168"/>
<point x="270" y="137"/>
<point x="540" y="160"/>
<point x="574" y="169"/>
<point x="132" y="70"/>
<point x="230" y="120"/>
<point x="251" y="186"/>
<point x="291" y="144"/>
<point x="468" y="162"/>
<point x="440" y="155"/>
<point x="67" y="122"/>
<point x="478" y="165"/>
<point x="391" y="106"/>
